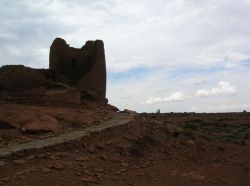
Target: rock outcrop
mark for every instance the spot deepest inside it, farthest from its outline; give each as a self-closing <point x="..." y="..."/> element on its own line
<point x="74" y="76"/>
<point x="83" y="68"/>
<point x="42" y="123"/>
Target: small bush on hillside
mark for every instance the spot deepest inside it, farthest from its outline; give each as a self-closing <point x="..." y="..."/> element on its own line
<point x="78" y="123"/>
<point x="141" y="144"/>
<point x="189" y="134"/>
<point x="137" y="152"/>
<point x="191" y="126"/>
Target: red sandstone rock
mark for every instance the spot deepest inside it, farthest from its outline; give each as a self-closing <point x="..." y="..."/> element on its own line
<point x="45" y="170"/>
<point x="43" y="123"/>
<point x="57" y="166"/>
<point x="190" y="142"/>
<point x="19" y="162"/>
<point x="88" y="179"/>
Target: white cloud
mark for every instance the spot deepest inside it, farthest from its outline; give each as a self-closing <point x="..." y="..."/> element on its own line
<point x="229" y="107"/>
<point x="195" y="81"/>
<point x="223" y="87"/>
<point x="136" y="33"/>
<point x="237" y="56"/>
<point x="202" y="93"/>
<point x="184" y="44"/>
<point x="177" y="96"/>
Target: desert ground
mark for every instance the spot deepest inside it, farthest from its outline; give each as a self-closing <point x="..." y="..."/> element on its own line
<point x="152" y="149"/>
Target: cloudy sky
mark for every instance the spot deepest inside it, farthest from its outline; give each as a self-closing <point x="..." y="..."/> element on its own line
<point x="172" y="55"/>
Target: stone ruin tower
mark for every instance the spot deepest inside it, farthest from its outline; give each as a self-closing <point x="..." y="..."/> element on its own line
<point x="83" y="68"/>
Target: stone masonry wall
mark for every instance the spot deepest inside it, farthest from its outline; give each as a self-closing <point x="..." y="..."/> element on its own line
<point x="84" y="68"/>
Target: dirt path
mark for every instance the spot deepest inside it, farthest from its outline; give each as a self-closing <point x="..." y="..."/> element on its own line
<point x="117" y="120"/>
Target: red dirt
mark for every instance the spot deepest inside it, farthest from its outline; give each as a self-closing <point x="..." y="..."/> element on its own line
<point x="13" y="117"/>
<point x="200" y="149"/>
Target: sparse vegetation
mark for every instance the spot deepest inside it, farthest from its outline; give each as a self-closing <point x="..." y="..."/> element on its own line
<point x="191" y="126"/>
<point x="195" y="121"/>
<point x="136" y="151"/>
<point x="189" y="134"/>
<point x="141" y="144"/>
<point x="78" y="123"/>
<point x="9" y="134"/>
<point x="145" y="148"/>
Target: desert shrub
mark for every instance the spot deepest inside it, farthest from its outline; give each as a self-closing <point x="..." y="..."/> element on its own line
<point x="225" y="125"/>
<point x="150" y="139"/>
<point x="191" y="126"/>
<point x="136" y="151"/>
<point x="175" y="134"/>
<point x="221" y="148"/>
<point x="142" y="144"/>
<point x="9" y="134"/>
<point x="247" y="136"/>
<point x="189" y="134"/>
<point x="146" y="141"/>
<point x="195" y="121"/>
<point x="5" y="125"/>
<point x="205" y="137"/>
<point x="78" y="123"/>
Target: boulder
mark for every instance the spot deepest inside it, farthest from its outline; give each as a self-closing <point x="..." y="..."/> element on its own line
<point x="42" y="123"/>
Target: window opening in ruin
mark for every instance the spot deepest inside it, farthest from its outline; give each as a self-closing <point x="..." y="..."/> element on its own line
<point x="73" y="62"/>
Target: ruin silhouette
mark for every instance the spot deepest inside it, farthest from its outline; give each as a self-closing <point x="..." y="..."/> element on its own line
<point x="74" y="76"/>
